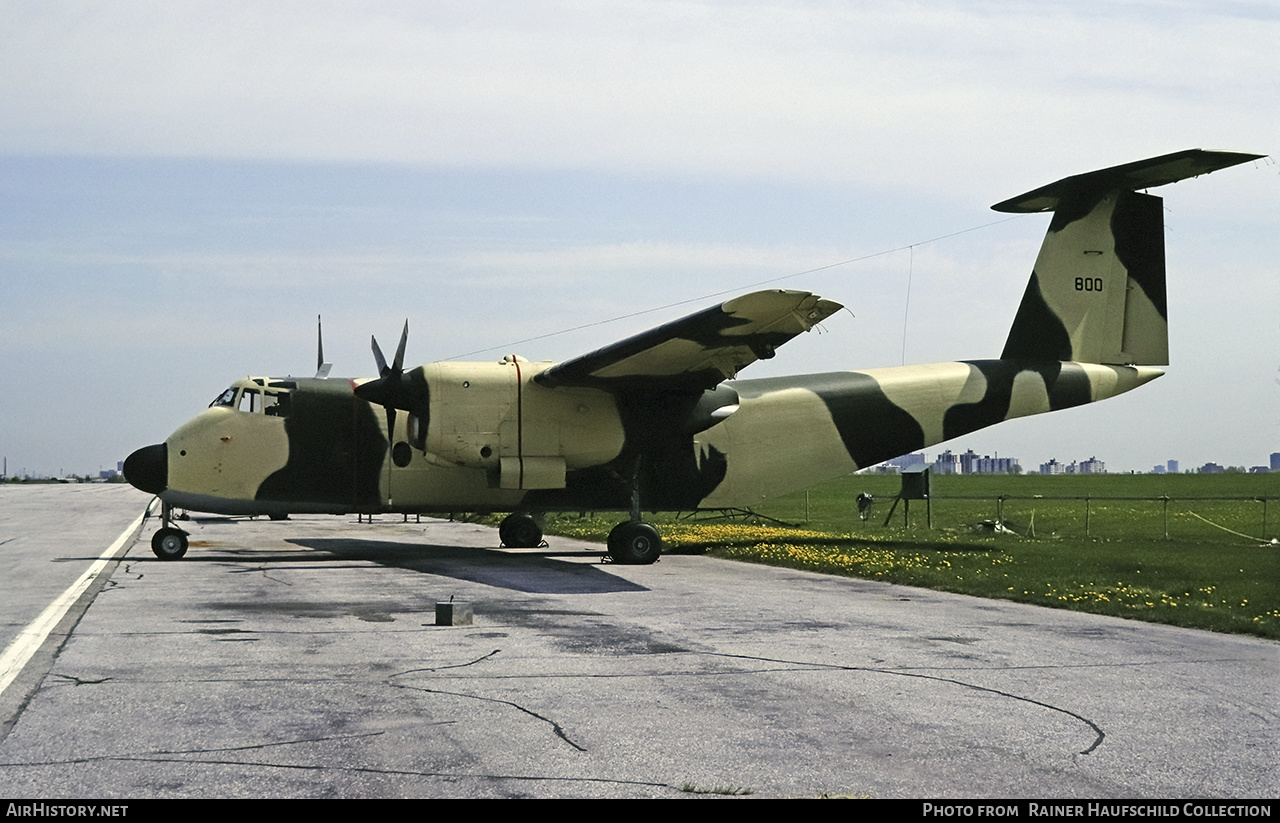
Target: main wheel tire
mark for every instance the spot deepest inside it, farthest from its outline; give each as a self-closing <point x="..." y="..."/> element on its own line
<point x="169" y="544"/>
<point x="520" y="531"/>
<point x="635" y="543"/>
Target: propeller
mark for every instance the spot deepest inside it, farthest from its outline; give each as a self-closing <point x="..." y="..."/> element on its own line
<point x="388" y="390"/>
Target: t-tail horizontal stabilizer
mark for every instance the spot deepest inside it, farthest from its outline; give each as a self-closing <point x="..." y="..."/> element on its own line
<point x="1097" y="292"/>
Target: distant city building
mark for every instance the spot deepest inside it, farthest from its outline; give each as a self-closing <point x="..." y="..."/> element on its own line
<point x="1053" y="467"/>
<point x="1172" y="466"/>
<point x="899" y="464"/>
<point x="971" y="463"/>
<point x="947" y="463"/>
<point x="906" y="461"/>
<point x="1275" y="461"/>
<point x="1211" y="468"/>
<point x="1157" y="469"/>
<point x="1091" y="466"/>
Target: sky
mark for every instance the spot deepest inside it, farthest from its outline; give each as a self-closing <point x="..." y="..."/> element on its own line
<point x="185" y="186"/>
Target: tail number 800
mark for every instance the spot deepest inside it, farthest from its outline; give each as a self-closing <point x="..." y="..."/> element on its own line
<point x="1088" y="284"/>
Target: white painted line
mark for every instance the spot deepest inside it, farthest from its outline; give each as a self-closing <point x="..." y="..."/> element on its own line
<point x="33" y="636"/>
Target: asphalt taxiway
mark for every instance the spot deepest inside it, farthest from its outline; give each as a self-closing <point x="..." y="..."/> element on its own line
<point x="301" y="659"/>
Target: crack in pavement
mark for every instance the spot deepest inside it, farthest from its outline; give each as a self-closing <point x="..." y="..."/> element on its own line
<point x="794" y="665"/>
<point x="351" y="769"/>
<point x="177" y="756"/>
<point x="262" y="568"/>
<point x="556" y="727"/>
<point x="1099" y="734"/>
<point x="479" y="659"/>
<point x="82" y="681"/>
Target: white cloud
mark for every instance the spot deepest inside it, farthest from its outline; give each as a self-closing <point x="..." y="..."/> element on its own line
<point x="812" y="91"/>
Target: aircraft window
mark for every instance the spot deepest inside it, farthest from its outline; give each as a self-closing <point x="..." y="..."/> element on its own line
<point x="276" y="404"/>
<point x="249" y="401"/>
<point x="227" y="398"/>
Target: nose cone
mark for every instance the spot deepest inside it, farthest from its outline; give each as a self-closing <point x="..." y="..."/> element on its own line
<point x="147" y="469"/>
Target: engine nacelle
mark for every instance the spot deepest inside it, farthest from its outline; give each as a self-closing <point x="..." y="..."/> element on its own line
<point x="495" y="417"/>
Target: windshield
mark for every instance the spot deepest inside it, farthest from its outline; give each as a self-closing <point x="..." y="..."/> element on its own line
<point x="227" y="398"/>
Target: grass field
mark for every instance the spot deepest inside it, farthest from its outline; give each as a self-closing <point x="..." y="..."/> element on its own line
<point x="1078" y="542"/>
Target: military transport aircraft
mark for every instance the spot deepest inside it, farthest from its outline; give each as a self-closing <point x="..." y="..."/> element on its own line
<point x="658" y="422"/>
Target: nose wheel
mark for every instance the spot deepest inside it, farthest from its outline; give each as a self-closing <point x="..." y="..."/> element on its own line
<point x="168" y="543"/>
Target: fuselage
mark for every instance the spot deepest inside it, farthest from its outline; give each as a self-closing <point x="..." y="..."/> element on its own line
<point x="492" y="438"/>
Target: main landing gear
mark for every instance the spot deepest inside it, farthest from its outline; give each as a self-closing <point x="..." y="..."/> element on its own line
<point x="635" y="543"/>
<point x="520" y="530"/>
<point x="632" y="542"/>
<point x="168" y="543"/>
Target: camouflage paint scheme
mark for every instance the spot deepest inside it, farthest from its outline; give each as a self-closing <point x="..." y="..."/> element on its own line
<point x="659" y="422"/>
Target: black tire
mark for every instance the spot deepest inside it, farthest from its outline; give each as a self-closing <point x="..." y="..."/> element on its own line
<point x="635" y="543"/>
<point x="520" y="531"/>
<point x="169" y="544"/>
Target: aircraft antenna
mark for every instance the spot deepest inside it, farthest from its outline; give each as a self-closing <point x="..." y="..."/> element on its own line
<point x="732" y="290"/>
<point x="911" y="259"/>
<point x="322" y="368"/>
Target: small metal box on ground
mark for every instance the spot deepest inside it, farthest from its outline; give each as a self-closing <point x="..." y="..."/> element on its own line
<point x="453" y="614"/>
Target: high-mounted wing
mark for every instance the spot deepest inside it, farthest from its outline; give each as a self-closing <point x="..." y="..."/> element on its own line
<point x="698" y="351"/>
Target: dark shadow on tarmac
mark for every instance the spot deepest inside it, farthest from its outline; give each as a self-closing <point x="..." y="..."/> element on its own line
<point x="534" y="572"/>
<point x="527" y="571"/>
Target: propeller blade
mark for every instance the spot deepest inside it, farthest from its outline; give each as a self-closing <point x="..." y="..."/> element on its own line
<point x="398" y="366"/>
<point x="378" y="358"/>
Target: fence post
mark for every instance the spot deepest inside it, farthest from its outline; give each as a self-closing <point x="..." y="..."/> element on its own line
<point x="1165" y="498"/>
<point x="1086" y="516"/>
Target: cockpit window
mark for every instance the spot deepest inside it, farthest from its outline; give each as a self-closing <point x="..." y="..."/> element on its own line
<point x="273" y="401"/>
<point x="249" y="401"/>
<point x="227" y="398"/>
<point x="276" y="403"/>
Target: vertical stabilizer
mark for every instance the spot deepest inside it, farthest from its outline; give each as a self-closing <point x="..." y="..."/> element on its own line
<point x="1097" y="292"/>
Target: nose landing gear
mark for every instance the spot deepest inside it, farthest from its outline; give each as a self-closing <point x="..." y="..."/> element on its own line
<point x="169" y="543"/>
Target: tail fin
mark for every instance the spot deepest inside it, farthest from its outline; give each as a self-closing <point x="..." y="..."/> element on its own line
<point x="1097" y="293"/>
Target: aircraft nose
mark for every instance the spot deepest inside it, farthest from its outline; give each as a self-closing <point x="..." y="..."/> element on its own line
<point x="147" y="469"/>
